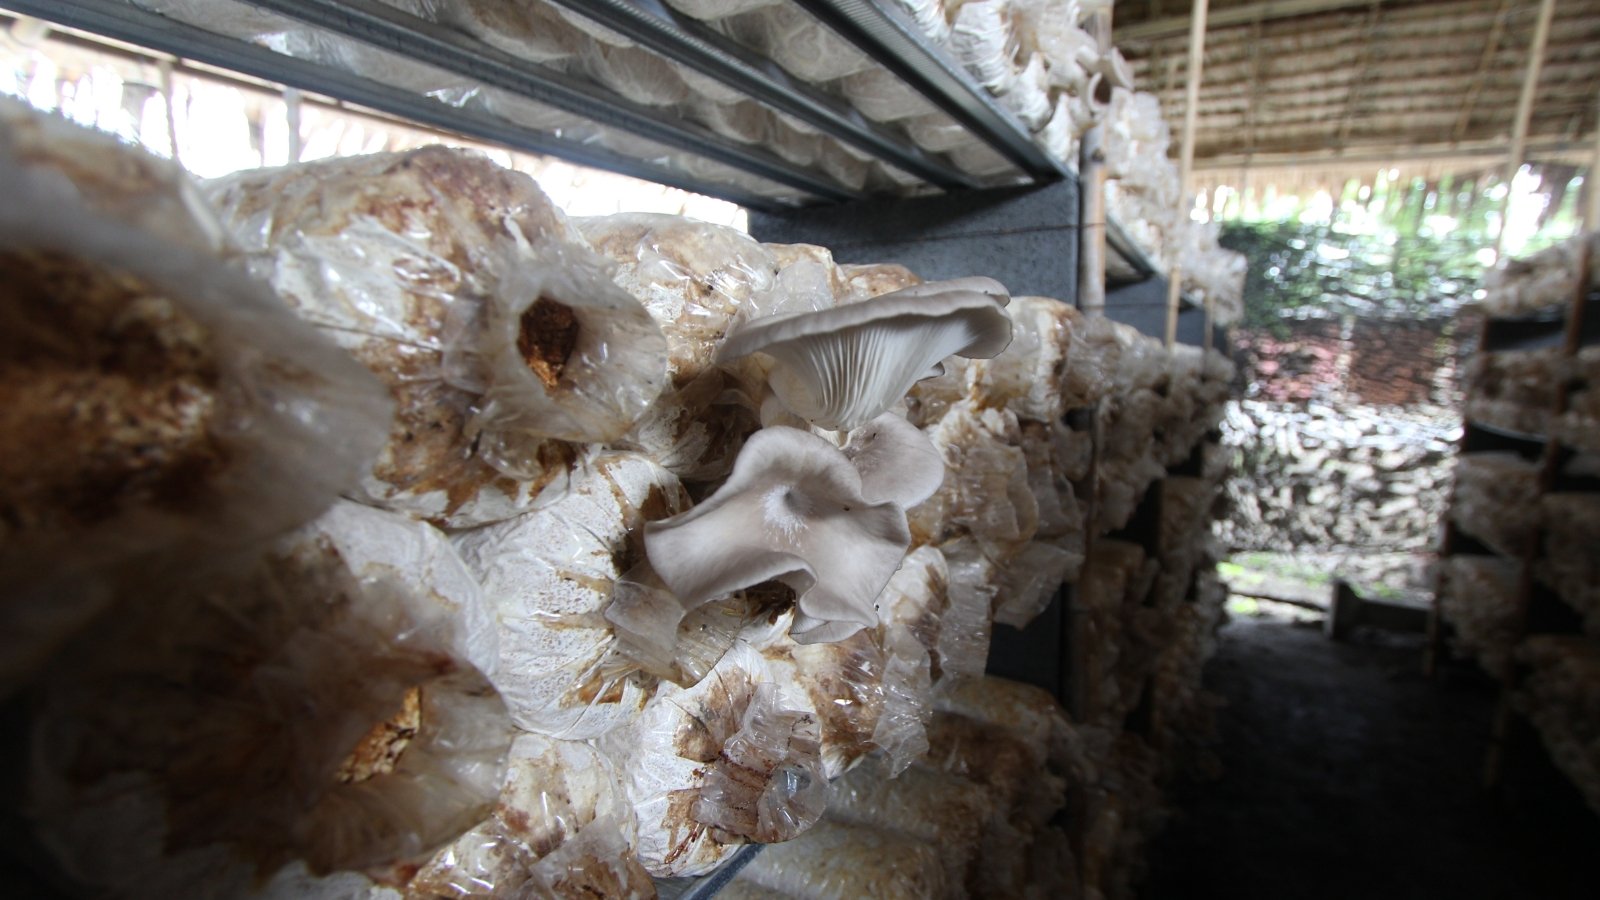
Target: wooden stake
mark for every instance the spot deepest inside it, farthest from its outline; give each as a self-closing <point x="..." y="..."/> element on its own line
<point x="164" y="67"/>
<point x="1519" y="132"/>
<point x="1591" y="180"/>
<point x="291" y="108"/>
<point x="1191" y="111"/>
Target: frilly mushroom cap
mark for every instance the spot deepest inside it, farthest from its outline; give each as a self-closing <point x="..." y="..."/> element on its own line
<point x="896" y="461"/>
<point x="793" y="510"/>
<point x="839" y="368"/>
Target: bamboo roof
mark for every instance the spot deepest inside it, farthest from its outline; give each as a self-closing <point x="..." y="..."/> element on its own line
<point x="1350" y="86"/>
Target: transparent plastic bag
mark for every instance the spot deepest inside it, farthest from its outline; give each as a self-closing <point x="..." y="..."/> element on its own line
<point x="939" y="809"/>
<point x="182" y="411"/>
<point x="1539" y="282"/>
<point x="694" y="278"/>
<point x="985" y="491"/>
<point x="529" y="31"/>
<point x="1477" y="597"/>
<point x="560" y="823"/>
<point x="1559" y="696"/>
<point x="880" y="95"/>
<point x="551" y="575"/>
<point x="441" y="272"/>
<point x="796" y="41"/>
<point x="839" y="860"/>
<point x="984" y="42"/>
<point x="1496" y="499"/>
<point x="668" y="753"/>
<point x="930" y="18"/>
<point x="1571" y="522"/>
<point x="348" y="655"/>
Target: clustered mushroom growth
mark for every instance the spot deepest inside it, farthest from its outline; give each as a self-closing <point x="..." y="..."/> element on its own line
<point x="655" y="540"/>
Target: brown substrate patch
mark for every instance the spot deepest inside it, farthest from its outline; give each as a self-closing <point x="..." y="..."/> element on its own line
<point x="379" y="752"/>
<point x="546" y="338"/>
<point x="108" y="395"/>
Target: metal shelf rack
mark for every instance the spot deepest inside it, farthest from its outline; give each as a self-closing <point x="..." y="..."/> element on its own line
<point x="879" y="29"/>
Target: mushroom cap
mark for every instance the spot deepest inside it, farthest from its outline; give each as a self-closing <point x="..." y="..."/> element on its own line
<point x="896" y="461"/>
<point x="838" y="368"/>
<point x="793" y="511"/>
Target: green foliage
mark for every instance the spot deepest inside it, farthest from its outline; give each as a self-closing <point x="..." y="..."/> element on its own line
<point x="1385" y="248"/>
<point x="1298" y="269"/>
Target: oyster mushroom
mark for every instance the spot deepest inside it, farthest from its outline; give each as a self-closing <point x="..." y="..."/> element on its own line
<point x="896" y="461"/>
<point x="839" y="368"/>
<point x="792" y="511"/>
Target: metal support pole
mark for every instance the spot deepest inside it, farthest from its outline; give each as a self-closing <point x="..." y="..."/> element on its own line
<point x="1092" y="187"/>
<point x="1519" y="132"/>
<point x="1191" y="110"/>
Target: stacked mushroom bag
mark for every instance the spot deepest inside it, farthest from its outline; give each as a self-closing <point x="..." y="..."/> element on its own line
<point x="1142" y="182"/>
<point x="1579" y="425"/>
<point x="1560" y="695"/>
<point x="1477" y="596"/>
<point x="323" y="706"/>
<point x="1131" y="457"/>
<point x="1007" y="509"/>
<point x="1497" y="499"/>
<point x="1116" y="579"/>
<point x="158" y="405"/>
<point x="1124" y="809"/>
<point x="501" y="335"/>
<point x="1182" y="712"/>
<point x="1000" y="757"/>
<point x="1514" y="389"/>
<point x="1571" y="522"/>
<point x="1548" y="279"/>
<point x="1213" y="274"/>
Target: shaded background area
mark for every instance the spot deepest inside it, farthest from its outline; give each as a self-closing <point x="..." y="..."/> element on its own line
<point x="1347" y="774"/>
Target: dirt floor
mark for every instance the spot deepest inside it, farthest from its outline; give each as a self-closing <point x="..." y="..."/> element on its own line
<point x="1349" y="775"/>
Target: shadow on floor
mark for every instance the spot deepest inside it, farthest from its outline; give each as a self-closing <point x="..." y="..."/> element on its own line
<point x="1348" y="774"/>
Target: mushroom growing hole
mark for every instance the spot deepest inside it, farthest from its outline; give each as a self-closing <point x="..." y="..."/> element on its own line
<point x="546" y="338"/>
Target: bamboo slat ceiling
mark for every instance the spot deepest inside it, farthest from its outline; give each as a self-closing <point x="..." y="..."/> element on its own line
<point x="1301" y="81"/>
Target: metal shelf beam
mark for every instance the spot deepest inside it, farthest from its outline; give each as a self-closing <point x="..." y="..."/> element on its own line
<point x="123" y="22"/>
<point x="678" y="37"/>
<point x="391" y="29"/>
<point x="888" y="36"/>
